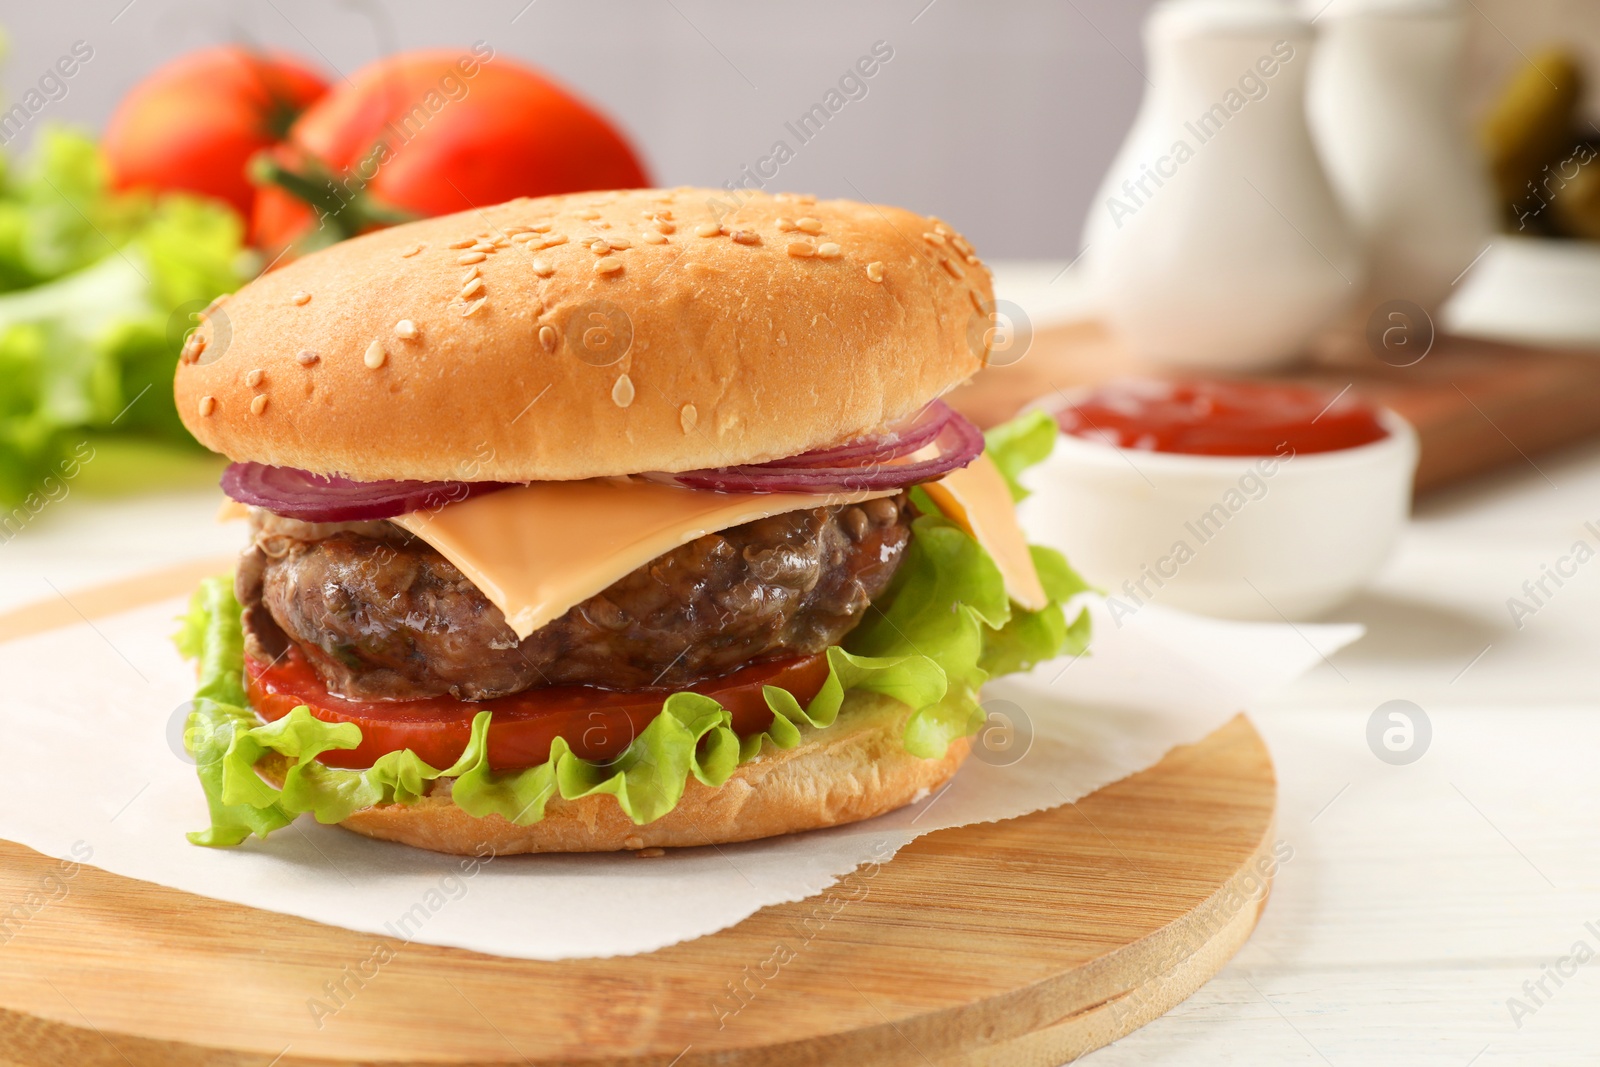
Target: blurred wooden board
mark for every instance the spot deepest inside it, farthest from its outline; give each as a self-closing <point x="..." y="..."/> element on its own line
<point x="1030" y="942"/>
<point x="1476" y="405"/>
<point x="67" y="609"/>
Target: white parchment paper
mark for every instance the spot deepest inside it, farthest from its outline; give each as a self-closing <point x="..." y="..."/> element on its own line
<point x="94" y="761"/>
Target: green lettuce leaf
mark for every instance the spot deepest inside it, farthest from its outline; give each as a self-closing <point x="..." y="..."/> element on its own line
<point x="96" y="292"/>
<point x="943" y="628"/>
<point x="1031" y="637"/>
<point x="1017" y="445"/>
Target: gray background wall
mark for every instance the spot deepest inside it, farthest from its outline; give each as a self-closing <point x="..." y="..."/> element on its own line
<point x="997" y="114"/>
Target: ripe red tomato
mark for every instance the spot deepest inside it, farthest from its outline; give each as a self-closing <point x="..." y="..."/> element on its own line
<point x="431" y="133"/>
<point x="598" y="723"/>
<point x="195" y="123"/>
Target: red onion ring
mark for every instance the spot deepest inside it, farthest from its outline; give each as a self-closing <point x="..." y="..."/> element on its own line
<point x="298" y="494"/>
<point x="864" y="465"/>
<point x="959" y="443"/>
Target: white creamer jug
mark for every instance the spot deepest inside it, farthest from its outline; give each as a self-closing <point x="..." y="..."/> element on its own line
<point x="1215" y="240"/>
<point x="1386" y="111"/>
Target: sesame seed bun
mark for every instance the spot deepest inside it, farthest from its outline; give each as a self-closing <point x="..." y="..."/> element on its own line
<point x="856" y="769"/>
<point x="721" y="328"/>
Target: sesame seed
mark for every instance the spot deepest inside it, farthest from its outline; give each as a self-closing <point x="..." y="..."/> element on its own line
<point x="542" y="267"/>
<point x="405" y="329"/>
<point x="408" y="253"/>
<point x="591" y="213"/>
<point x="208" y="404"/>
<point x="599" y="247"/>
<point x="375" y="355"/>
<point x="524" y="237"/>
<point x="971" y="258"/>
<point x="803" y="249"/>
<point x="707" y="229"/>
<point x="633" y="841"/>
<point x="512" y="231"/>
<point x="787" y="225"/>
<point x="622" y="392"/>
<point x="192" y="347"/>
<point x="665" y="212"/>
<point x="471" y="257"/>
<point x="746" y="237"/>
<point x="473" y="307"/>
<point x="619" y="243"/>
<point x="306" y="358"/>
<point x="483" y="246"/>
<point x="651" y="237"/>
<point x="472" y="272"/>
<point x="465" y="242"/>
<point x="808" y="225"/>
<point x="666" y="227"/>
<point x="953" y="268"/>
<point x="960" y="245"/>
<point x="977" y="301"/>
<point x="258" y="404"/>
<point x="548" y="338"/>
<point x="555" y="239"/>
<point x="253" y="379"/>
<point x="302" y="298"/>
<point x="933" y="238"/>
<point x="607" y="266"/>
<point x="875" y="271"/>
<point x="540" y="227"/>
<point x="941" y="229"/>
<point x="724" y="230"/>
<point x="828" y="250"/>
<point x="650" y="853"/>
<point x="687" y="417"/>
<point x="471" y="287"/>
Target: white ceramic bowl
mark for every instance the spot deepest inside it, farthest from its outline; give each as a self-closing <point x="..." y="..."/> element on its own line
<point x="1240" y="537"/>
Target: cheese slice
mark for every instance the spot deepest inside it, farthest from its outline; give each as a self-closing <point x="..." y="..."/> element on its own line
<point x="976" y="499"/>
<point x="536" y="550"/>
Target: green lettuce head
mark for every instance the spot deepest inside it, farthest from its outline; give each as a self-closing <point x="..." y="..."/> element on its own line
<point x="96" y="290"/>
<point x="943" y="628"/>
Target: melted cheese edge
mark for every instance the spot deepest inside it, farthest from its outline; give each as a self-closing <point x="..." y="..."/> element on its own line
<point x="977" y="499"/>
<point x="537" y="550"/>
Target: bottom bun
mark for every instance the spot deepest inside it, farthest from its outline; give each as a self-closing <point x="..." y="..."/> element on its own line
<point x="853" y="770"/>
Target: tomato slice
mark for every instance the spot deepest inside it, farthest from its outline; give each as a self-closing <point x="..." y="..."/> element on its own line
<point x="598" y="723"/>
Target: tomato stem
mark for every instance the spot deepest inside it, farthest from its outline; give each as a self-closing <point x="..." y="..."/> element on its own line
<point x="343" y="206"/>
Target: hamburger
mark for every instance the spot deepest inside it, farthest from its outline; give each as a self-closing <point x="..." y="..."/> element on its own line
<point x="608" y="521"/>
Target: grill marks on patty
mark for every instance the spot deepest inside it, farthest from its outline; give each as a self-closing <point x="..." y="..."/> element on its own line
<point x="382" y="615"/>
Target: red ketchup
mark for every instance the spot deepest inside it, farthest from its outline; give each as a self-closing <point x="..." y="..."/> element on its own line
<point x="1221" y="418"/>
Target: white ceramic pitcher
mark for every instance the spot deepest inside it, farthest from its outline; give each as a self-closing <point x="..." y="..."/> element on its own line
<point x="1386" y="112"/>
<point x="1215" y="240"/>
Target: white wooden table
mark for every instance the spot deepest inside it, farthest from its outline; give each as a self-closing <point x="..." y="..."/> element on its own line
<point x="1420" y="897"/>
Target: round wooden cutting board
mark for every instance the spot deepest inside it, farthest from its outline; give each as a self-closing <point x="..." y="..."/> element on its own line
<point x="1030" y="941"/>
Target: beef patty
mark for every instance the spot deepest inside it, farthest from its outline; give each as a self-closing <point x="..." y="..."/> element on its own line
<point x="382" y="615"/>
